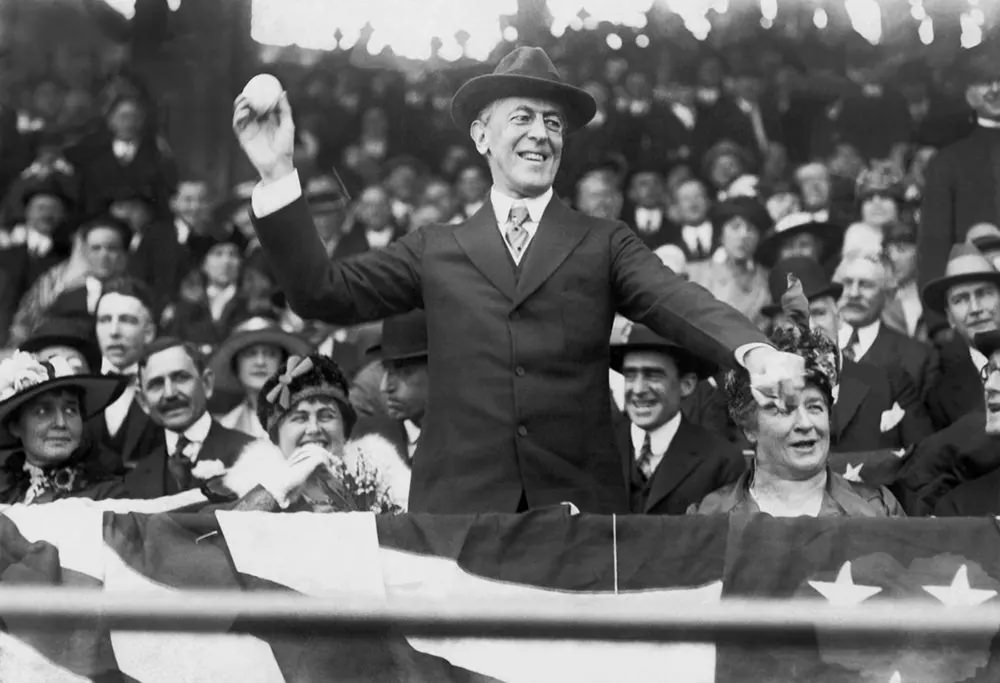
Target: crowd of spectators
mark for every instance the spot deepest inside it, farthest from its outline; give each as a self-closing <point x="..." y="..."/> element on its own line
<point x="738" y="168"/>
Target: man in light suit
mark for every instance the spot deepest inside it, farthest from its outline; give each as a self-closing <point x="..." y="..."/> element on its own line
<point x="670" y="462"/>
<point x="520" y="298"/>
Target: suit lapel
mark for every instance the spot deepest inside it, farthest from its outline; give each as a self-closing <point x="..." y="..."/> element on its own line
<point x="880" y="351"/>
<point x="148" y="479"/>
<point x="216" y="446"/>
<point x="554" y="239"/>
<point x="623" y="439"/>
<point x="851" y="394"/>
<point x="135" y="424"/>
<point x="678" y="462"/>
<point x="480" y="239"/>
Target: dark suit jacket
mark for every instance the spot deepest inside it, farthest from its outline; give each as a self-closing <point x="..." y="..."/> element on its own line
<point x="162" y="262"/>
<point x="959" y="390"/>
<point x="977" y="498"/>
<point x="960" y="191"/>
<point x="697" y="463"/>
<point x="356" y="242"/>
<point x="919" y="360"/>
<point x="866" y="391"/>
<point x="150" y="477"/>
<point x="529" y="424"/>
<point x="70" y="304"/>
<point x="138" y="436"/>
<point x="661" y="236"/>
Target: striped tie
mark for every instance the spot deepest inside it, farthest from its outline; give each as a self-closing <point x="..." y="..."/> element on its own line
<point x="644" y="461"/>
<point x="514" y="233"/>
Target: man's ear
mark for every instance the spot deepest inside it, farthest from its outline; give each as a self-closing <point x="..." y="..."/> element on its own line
<point x="208" y="379"/>
<point x="478" y="133"/>
<point x="140" y="397"/>
<point x="688" y="381"/>
<point x="149" y="334"/>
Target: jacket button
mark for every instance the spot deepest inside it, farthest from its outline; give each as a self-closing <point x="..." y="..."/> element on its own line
<point x="522" y="431"/>
<point x="519" y="371"/>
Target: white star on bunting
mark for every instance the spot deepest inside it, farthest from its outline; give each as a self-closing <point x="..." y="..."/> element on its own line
<point x="959" y="593"/>
<point x="844" y="592"/>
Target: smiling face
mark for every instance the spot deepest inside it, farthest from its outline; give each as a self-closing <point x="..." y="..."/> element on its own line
<point x="654" y="388"/>
<point x="522" y="140"/>
<point x="793" y="445"/>
<point x="984" y="98"/>
<point x="174" y="392"/>
<point x="313" y="420"/>
<point x="50" y="427"/>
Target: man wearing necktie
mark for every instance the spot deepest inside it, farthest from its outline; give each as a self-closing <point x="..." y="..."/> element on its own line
<point x="174" y="387"/>
<point x="670" y="462"/>
<point x="691" y="205"/>
<point x="518" y="319"/>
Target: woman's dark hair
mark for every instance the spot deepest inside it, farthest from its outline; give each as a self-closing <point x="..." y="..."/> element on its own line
<point x="821" y="359"/>
<point x="324" y="374"/>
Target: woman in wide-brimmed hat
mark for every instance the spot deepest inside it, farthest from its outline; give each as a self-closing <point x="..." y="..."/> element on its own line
<point x="43" y="405"/>
<point x="251" y="354"/>
<point x="798" y="234"/>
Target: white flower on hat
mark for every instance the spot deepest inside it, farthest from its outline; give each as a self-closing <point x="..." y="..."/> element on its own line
<point x="19" y="372"/>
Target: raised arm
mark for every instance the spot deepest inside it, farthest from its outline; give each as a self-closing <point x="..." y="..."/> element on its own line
<point x="369" y="287"/>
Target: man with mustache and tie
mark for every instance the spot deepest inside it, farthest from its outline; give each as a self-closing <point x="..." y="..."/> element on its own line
<point x="519" y="299"/>
<point x="175" y="384"/>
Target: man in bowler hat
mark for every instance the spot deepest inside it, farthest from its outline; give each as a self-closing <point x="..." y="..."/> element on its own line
<point x="519" y="300"/>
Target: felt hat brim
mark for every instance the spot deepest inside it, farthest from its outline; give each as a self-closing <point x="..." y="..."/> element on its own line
<point x="99" y="391"/>
<point x="701" y="367"/>
<point x="834" y="290"/>
<point x="935" y="292"/>
<point x="222" y="360"/>
<point x="832" y="236"/>
<point x="577" y="104"/>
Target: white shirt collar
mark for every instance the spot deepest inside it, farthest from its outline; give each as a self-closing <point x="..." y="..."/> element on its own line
<point x="536" y="207"/>
<point x="987" y="123"/>
<point x="94" y="289"/>
<point x="218" y="298"/>
<point x="196" y="434"/>
<point x="979" y="360"/>
<point x="698" y="237"/>
<point x="108" y="368"/>
<point x="412" y="431"/>
<point x="866" y="337"/>
<point x="183" y="230"/>
<point x="659" y="439"/>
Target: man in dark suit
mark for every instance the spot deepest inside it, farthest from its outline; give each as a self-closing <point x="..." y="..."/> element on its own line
<point x="874" y="407"/>
<point x="980" y="496"/>
<point x="962" y="178"/>
<point x="124" y="328"/>
<point x="403" y="352"/>
<point x="867" y="288"/>
<point x="646" y="211"/>
<point x="669" y="462"/>
<point x="533" y="287"/>
<point x="175" y="385"/>
<point x="968" y="296"/>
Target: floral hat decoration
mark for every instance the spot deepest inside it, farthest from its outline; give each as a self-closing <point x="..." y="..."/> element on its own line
<point x="821" y="355"/>
<point x="23" y="377"/>
<point x="304" y="377"/>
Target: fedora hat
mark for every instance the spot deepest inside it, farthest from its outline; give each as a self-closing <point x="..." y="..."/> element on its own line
<point x="524" y="72"/>
<point x="985" y="236"/>
<point x="404" y="337"/>
<point x="641" y="338"/>
<point x="815" y="282"/>
<point x="831" y="236"/>
<point x="23" y="378"/>
<point x="965" y="264"/>
<point x="256" y="329"/>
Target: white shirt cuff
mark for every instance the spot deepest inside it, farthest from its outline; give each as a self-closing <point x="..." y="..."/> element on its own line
<point x="742" y="351"/>
<point x="272" y="197"/>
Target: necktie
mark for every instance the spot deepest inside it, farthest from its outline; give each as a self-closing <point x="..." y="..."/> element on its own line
<point x="514" y="232"/>
<point x="180" y="465"/>
<point x="851" y="350"/>
<point x="645" y="460"/>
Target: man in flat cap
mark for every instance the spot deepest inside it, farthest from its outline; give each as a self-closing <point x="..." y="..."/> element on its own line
<point x="519" y="301"/>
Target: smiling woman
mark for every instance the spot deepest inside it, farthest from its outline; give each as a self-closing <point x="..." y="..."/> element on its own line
<point x="789" y="476"/>
<point x="43" y="405"/>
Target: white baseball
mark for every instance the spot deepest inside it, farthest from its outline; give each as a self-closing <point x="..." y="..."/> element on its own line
<point x="262" y="93"/>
